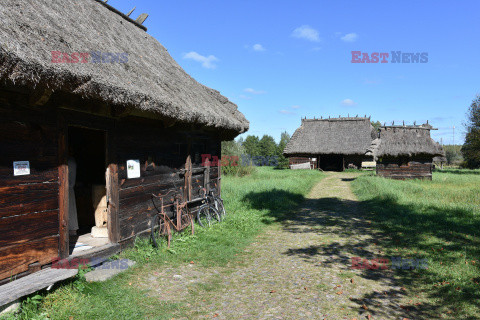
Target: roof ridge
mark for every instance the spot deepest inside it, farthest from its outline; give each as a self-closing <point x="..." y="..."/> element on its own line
<point x="121" y="14"/>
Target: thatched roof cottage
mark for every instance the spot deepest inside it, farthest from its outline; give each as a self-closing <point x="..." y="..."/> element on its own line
<point x="81" y="82"/>
<point x="405" y="152"/>
<point x="335" y="143"/>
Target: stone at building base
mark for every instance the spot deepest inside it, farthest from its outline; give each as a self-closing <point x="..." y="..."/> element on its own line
<point x="10" y="307"/>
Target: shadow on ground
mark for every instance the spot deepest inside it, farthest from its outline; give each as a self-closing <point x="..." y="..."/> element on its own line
<point x="371" y="228"/>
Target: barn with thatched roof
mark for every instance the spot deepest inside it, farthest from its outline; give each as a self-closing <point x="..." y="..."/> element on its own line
<point x="81" y="81"/>
<point x="334" y="143"/>
<point x="405" y="152"/>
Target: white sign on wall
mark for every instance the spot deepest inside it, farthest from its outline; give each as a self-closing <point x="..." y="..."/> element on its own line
<point x="21" y="168"/>
<point x="133" y="169"/>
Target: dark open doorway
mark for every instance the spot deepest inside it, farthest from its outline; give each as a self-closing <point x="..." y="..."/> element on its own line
<point x="87" y="210"/>
<point x="331" y="162"/>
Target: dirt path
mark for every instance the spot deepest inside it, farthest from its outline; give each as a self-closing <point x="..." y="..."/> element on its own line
<point x="300" y="270"/>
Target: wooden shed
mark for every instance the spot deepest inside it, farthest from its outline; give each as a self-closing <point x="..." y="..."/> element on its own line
<point x="405" y="152"/>
<point x="80" y="80"/>
<point x="335" y="143"/>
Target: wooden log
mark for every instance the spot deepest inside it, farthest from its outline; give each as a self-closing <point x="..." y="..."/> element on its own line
<point x="25" y="199"/>
<point x="33" y="283"/>
<point x="26" y="228"/>
<point x="113" y="223"/>
<point x="37" y="174"/>
<point x="15" y="259"/>
<point x="63" y="194"/>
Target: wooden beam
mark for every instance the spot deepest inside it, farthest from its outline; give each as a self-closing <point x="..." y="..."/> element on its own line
<point x="113" y="222"/>
<point x="40" y="97"/>
<point x="63" y="187"/>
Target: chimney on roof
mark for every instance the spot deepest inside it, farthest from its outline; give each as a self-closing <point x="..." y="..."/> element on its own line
<point x="131" y="11"/>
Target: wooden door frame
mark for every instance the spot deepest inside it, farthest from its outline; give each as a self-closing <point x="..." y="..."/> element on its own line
<point x="112" y="185"/>
<point x="111" y="180"/>
<point x="64" y="238"/>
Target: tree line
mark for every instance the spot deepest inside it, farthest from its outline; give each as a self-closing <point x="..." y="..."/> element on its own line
<point x="471" y="147"/>
<point x="255" y="151"/>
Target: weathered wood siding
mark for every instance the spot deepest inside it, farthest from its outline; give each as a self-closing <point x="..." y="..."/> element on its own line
<point x="300" y="160"/>
<point x="162" y="154"/>
<point x="29" y="225"/>
<point x="404" y="169"/>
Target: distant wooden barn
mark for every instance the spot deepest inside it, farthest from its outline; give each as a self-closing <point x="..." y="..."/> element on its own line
<point x="405" y="152"/>
<point x="336" y="143"/>
<point x="79" y="80"/>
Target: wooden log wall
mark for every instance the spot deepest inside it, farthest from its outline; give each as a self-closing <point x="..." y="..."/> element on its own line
<point x="402" y="170"/>
<point x="162" y="154"/>
<point x="29" y="206"/>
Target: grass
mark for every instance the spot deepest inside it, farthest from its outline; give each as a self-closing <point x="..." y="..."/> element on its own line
<point x="438" y="220"/>
<point x="253" y="203"/>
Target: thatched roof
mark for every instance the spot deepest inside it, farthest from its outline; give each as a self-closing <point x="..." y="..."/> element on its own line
<point x="408" y="141"/>
<point x="150" y="81"/>
<point x="345" y="136"/>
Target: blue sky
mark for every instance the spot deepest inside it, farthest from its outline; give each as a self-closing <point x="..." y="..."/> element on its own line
<point x="282" y="60"/>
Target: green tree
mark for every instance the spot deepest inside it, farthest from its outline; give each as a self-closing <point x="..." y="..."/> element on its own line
<point x="376" y="124"/>
<point x="471" y="148"/>
<point x="267" y="146"/>
<point x="282" y="160"/>
<point x="251" y="145"/>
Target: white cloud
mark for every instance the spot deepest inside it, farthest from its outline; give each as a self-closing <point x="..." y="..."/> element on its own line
<point x="242" y="96"/>
<point x="258" y="47"/>
<point x="350" y="37"/>
<point x="295" y="107"/>
<point x="286" y="112"/>
<point x="253" y="91"/>
<point x="207" y="62"/>
<point x="307" y="33"/>
<point x="348" y="103"/>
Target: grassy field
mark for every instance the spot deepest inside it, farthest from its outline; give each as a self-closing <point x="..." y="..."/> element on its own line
<point x="279" y="192"/>
<point x="438" y="220"/>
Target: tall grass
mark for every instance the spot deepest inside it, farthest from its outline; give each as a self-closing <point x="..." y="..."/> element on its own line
<point x="438" y="220"/>
<point x="252" y="202"/>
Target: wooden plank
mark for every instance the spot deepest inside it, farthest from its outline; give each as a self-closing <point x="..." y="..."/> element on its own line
<point x="219" y="181"/>
<point x="206" y="176"/>
<point x="25" y="228"/>
<point x="15" y="259"/>
<point x="38" y="174"/>
<point x="63" y="201"/>
<point x="146" y="190"/>
<point x="97" y="253"/>
<point x="33" y="283"/>
<point x="113" y="223"/>
<point x="148" y="180"/>
<point x="24" y="199"/>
